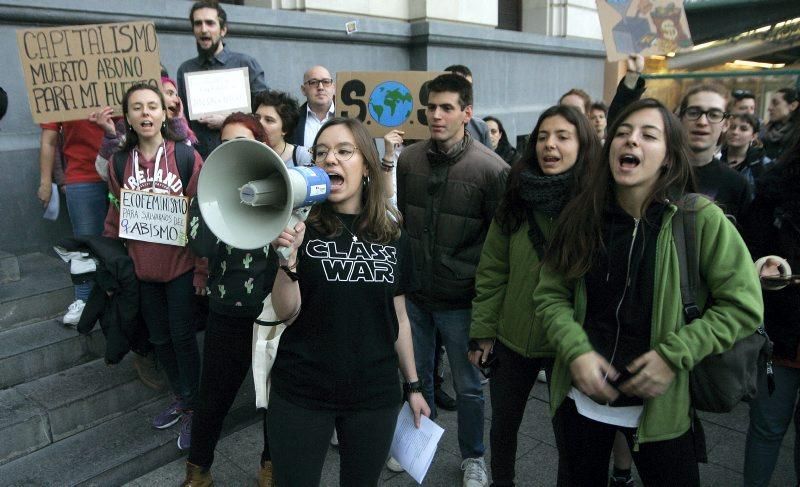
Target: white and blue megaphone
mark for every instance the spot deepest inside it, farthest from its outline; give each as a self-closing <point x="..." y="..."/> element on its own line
<point x="248" y="196"/>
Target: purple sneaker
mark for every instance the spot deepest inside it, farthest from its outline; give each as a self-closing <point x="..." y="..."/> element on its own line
<point x="185" y="436"/>
<point x="169" y="416"/>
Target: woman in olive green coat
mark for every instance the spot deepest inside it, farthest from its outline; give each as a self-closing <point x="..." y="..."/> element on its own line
<point x="540" y="184"/>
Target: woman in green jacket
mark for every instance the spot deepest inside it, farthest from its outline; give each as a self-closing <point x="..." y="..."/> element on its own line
<point x="609" y="301"/>
<point x="548" y="175"/>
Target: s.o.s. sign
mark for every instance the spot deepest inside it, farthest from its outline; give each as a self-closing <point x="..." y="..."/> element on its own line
<point x="386" y="100"/>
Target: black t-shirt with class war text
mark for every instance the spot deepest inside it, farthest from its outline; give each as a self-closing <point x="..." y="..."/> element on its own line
<point x="339" y="353"/>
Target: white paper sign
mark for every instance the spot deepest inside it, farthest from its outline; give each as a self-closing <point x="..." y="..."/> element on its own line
<point x="153" y="217"/>
<point x="222" y="91"/>
<point x="414" y="448"/>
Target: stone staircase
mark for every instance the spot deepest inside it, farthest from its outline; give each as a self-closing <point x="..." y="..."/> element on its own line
<point x="66" y="418"/>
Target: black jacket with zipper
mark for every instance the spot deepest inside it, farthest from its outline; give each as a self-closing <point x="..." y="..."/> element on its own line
<point x="619" y="288"/>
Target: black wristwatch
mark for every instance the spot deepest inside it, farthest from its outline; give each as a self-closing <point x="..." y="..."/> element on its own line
<point x="411" y="387"/>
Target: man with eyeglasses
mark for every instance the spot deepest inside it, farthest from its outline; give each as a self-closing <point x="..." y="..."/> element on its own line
<point x="209" y="24"/>
<point x="702" y="113"/>
<point x="318" y="88"/>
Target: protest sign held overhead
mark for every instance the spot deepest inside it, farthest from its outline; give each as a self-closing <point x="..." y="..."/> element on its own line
<point x="386" y="100"/>
<point x="645" y="27"/>
<point x="73" y="71"/>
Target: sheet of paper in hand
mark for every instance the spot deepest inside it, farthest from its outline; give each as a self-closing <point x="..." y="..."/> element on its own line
<point x="218" y="92"/>
<point x="645" y="27"/>
<point x="153" y="217"/>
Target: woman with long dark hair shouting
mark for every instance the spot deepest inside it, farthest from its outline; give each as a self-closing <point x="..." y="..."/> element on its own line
<point x="551" y="171"/>
<point x="609" y="301"/>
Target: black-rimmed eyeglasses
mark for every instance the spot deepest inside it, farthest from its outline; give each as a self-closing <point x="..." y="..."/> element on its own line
<point x="326" y="82"/>
<point x="714" y="115"/>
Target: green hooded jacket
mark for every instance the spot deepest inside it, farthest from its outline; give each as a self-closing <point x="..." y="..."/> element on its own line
<point x="729" y="285"/>
<point x="506" y="277"/>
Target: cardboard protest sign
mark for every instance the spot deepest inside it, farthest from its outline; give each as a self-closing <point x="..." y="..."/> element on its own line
<point x="221" y="91"/>
<point x="643" y="27"/>
<point x="386" y="100"/>
<point x="153" y="217"/>
<point x="73" y="71"/>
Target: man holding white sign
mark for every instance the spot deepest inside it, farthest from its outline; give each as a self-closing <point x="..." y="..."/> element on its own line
<point x="209" y="24"/>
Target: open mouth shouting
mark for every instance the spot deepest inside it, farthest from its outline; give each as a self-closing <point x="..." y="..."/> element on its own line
<point x="629" y="161"/>
<point x="550" y="161"/>
<point x="337" y="180"/>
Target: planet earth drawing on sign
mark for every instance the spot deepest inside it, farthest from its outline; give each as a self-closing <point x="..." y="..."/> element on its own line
<point x="390" y="103"/>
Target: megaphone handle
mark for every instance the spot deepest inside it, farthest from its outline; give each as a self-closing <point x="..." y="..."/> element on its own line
<point x="298" y="215"/>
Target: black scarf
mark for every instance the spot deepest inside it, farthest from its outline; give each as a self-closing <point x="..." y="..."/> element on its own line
<point x="548" y="194"/>
<point x="435" y="156"/>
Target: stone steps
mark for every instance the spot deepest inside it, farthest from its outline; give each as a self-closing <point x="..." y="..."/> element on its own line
<point x="39" y="349"/>
<point x="117" y="450"/>
<point x="66" y="418"/>
<point x="60" y="405"/>
<point x="9" y="268"/>
<point x="43" y="290"/>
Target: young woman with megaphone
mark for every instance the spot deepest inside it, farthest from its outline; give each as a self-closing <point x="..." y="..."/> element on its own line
<point x="239" y="281"/>
<point x="342" y="294"/>
<point x="168" y="274"/>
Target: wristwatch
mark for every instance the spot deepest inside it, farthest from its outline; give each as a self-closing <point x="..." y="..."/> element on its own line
<point x="411" y="387"/>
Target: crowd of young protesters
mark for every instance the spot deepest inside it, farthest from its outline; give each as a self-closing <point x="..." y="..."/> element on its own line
<point x="553" y="260"/>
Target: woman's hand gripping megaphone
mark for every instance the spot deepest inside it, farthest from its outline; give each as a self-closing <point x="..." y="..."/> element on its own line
<point x="289" y="241"/>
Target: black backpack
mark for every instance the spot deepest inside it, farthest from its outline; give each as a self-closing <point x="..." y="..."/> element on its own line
<point x="719" y="382"/>
<point x="184" y="159"/>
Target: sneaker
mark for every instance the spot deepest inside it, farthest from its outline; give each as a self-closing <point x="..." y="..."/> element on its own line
<point x="169" y="416"/>
<point x="443" y="400"/>
<point x="394" y="466"/>
<point x="474" y="472"/>
<point x="334" y="438"/>
<point x="615" y="481"/>
<point x="148" y="371"/>
<point x="73" y="314"/>
<point x="542" y="377"/>
<point x="185" y="436"/>
<point x="265" y="475"/>
<point x="197" y="476"/>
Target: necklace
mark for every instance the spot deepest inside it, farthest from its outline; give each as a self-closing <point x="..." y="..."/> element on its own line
<point x="355" y="239"/>
<point x="285" y="144"/>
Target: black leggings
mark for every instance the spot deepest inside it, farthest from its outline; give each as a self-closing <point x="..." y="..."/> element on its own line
<point x="166" y="308"/>
<point x="226" y="362"/>
<point x="299" y="439"/>
<point x="513" y="377"/>
<point x="584" y="449"/>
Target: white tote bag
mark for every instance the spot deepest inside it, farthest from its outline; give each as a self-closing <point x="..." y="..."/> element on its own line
<point x="265" y="349"/>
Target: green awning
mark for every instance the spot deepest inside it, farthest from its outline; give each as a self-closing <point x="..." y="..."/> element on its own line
<point x="711" y="20"/>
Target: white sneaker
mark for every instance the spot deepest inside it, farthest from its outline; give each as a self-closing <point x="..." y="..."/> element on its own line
<point x="542" y="377"/>
<point x="74" y="312"/>
<point x="334" y="438"/>
<point x="394" y="466"/>
<point x="474" y="472"/>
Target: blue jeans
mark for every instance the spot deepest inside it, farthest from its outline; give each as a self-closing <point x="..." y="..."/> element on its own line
<point x="454" y="328"/>
<point x="769" y="419"/>
<point x="87" y="204"/>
